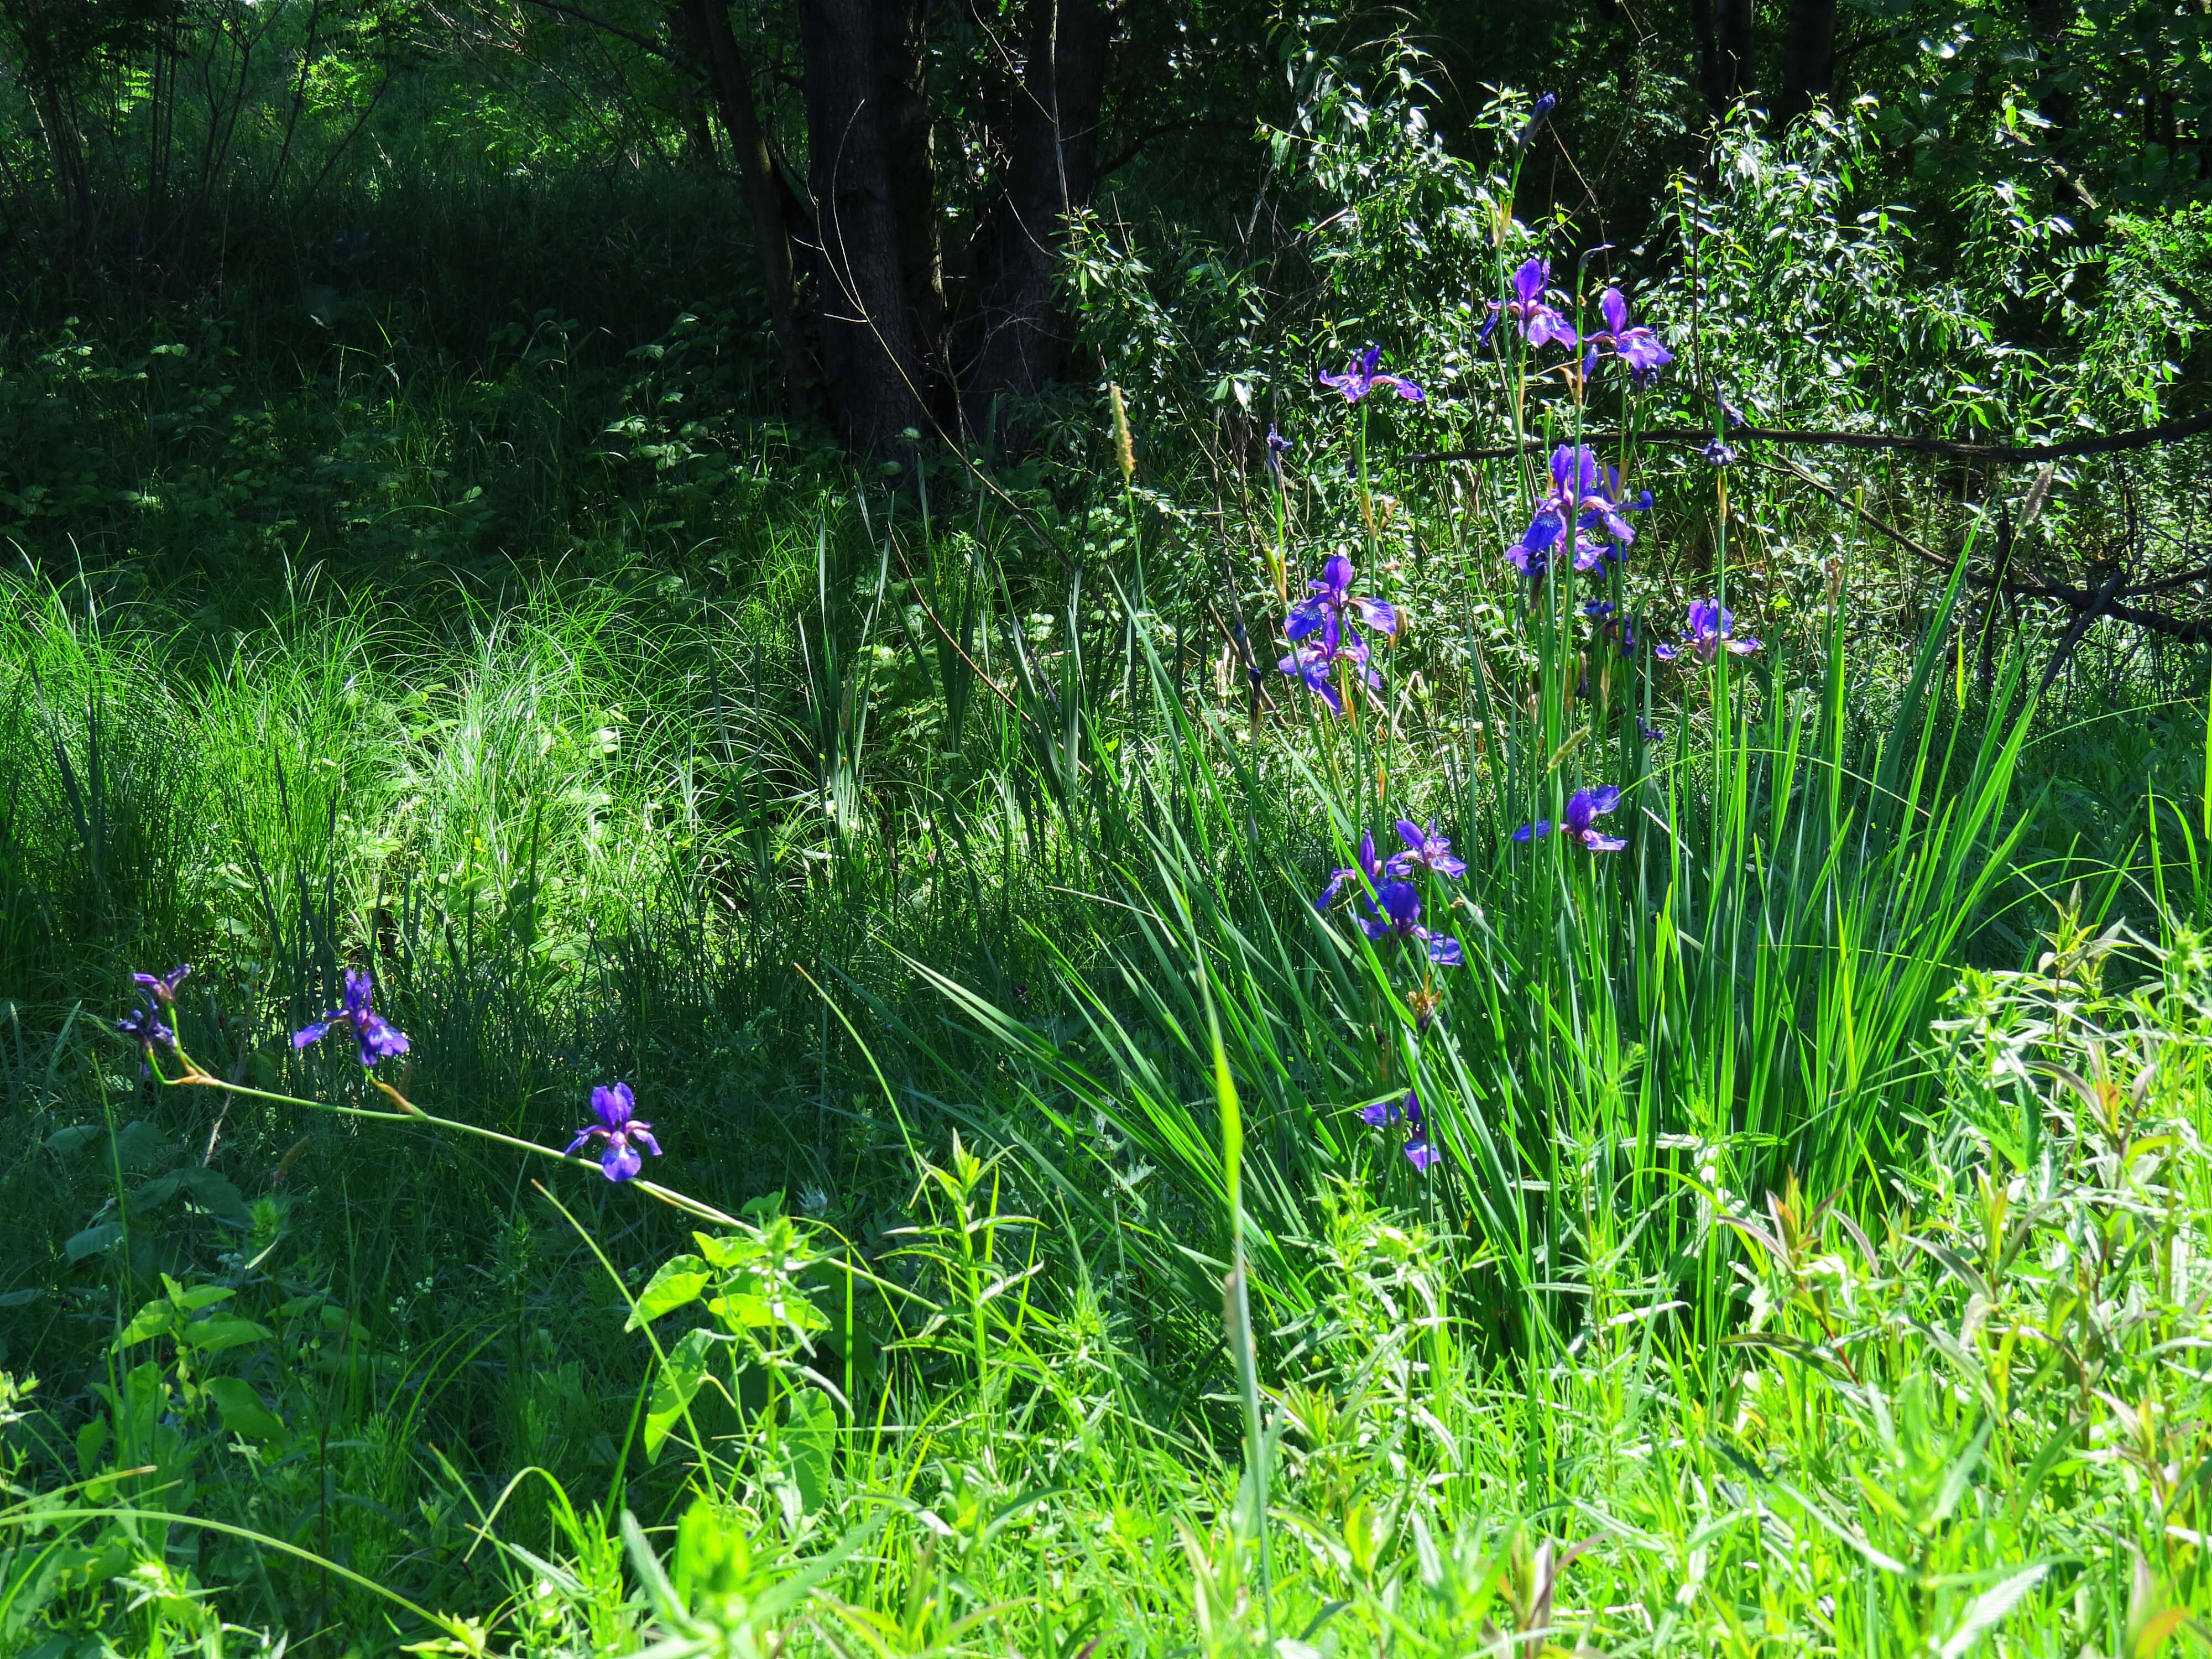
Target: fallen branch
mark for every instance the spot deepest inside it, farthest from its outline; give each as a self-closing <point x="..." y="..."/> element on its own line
<point x="1947" y="448"/>
<point x="2079" y="600"/>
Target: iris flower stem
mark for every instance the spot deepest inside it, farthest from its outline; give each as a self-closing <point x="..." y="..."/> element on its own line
<point x="408" y="1112"/>
<point x="1366" y="504"/>
<point x="1282" y="535"/>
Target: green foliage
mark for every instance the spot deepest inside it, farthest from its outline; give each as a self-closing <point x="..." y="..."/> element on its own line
<point x="1812" y="1257"/>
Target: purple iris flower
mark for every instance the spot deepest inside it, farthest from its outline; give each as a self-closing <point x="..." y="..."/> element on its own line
<point x="1620" y="630"/>
<point x="162" y="987"/>
<point x="615" y="1108"/>
<point x="1360" y="379"/>
<point x="1329" y="597"/>
<point x="1584" y="494"/>
<point x="1424" y="850"/>
<point x="1718" y="453"/>
<point x="1278" y="446"/>
<point x="1649" y="733"/>
<point x="1711" y="628"/>
<point x="1545" y="106"/>
<point x="1395" y="912"/>
<point x="1314" y="665"/>
<point x="379" y="1039"/>
<point x="1539" y="321"/>
<point x="1369" y="869"/>
<point x="1420" y="1152"/>
<point x="1583" y="807"/>
<point x="143" y="1026"/>
<point x="1639" y="348"/>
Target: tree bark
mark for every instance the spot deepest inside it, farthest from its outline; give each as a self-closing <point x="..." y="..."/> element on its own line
<point x="1701" y="35"/>
<point x="1808" y="54"/>
<point x="731" y="80"/>
<point x="687" y="34"/>
<point x="901" y="49"/>
<point x="1018" y="340"/>
<point x="1733" y="77"/>
<point x="867" y="343"/>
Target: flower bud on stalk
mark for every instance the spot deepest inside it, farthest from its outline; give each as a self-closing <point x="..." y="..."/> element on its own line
<point x="1125" y="449"/>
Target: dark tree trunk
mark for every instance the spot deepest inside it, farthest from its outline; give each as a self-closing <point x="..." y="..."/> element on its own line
<point x="1017" y="341"/>
<point x="901" y="98"/>
<point x="867" y="340"/>
<point x="1732" y="77"/>
<point x="1809" y="56"/>
<point x="731" y="80"/>
<point x="1709" y="56"/>
<point x="687" y="34"/>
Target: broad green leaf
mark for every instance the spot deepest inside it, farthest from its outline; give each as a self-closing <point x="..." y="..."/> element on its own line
<point x="149" y="1322"/>
<point x="679" y="1282"/>
<point x="741" y="1311"/>
<point x="213" y="1335"/>
<point x="202" y="1296"/>
<point x="19" y="1298"/>
<point x="69" y="1139"/>
<point x="142" y="1143"/>
<point x="93" y="1240"/>
<point x="809" y="1437"/>
<point x="215" y="1194"/>
<point x="156" y="1193"/>
<point x="243" y="1414"/>
<point x="680" y="1376"/>
<point x="745" y="1310"/>
<point x="91" y="1441"/>
<point x="726" y="1252"/>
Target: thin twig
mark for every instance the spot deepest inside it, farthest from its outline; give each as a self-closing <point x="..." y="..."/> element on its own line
<point x="2195" y="632"/>
<point x="1947" y="448"/>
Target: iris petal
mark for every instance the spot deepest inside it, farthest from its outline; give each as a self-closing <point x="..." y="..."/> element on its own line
<point x="621" y="1162"/>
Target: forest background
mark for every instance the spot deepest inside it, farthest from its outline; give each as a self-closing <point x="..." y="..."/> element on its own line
<point x="762" y="551"/>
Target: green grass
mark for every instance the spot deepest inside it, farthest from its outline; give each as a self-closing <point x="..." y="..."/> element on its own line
<point x="1813" y="1260"/>
<point x="589" y="834"/>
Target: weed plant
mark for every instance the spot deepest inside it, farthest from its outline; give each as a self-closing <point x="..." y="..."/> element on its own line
<point x="1726" y="1174"/>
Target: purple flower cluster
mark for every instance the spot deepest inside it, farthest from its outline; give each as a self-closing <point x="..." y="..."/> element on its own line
<point x="614" y="1106"/>
<point x="1391" y="904"/>
<point x="1638" y="347"/>
<point x="379" y="1038"/>
<point x="1540" y="322"/>
<point x="1322" y="635"/>
<point x="623" y="1130"/>
<point x="1420" y="1151"/>
<point x="144" y="1024"/>
<point x="1360" y="379"/>
<point x="1584" y="501"/>
<point x="1534" y="311"/>
<point x="162" y="988"/>
<point x="1709" y="628"/>
<point x="1584" y="808"/>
